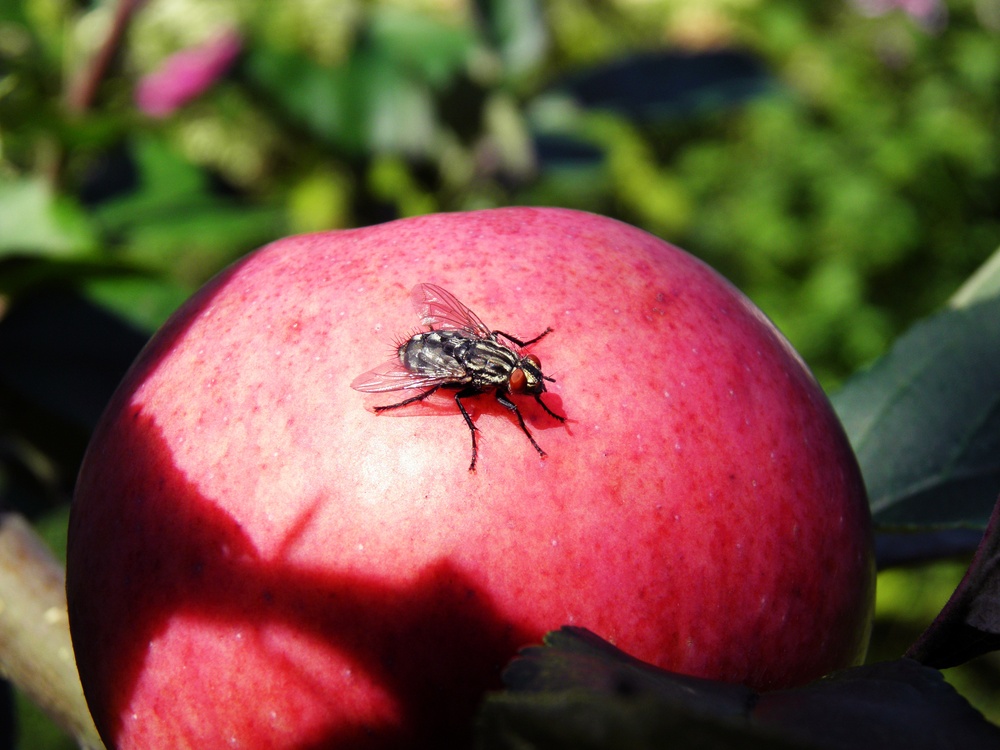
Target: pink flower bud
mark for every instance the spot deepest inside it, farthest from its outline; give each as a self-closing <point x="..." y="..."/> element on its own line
<point x="186" y="74"/>
<point x="927" y="12"/>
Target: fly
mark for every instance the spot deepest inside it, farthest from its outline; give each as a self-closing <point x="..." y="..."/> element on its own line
<point x="459" y="352"/>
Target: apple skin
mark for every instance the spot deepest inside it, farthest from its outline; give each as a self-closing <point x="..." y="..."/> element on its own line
<point x="256" y="559"/>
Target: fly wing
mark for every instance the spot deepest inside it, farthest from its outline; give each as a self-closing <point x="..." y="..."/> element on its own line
<point x="392" y="376"/>
<point x="439" y="308"/>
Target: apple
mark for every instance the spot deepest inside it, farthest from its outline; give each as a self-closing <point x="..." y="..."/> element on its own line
<point x="259" y="559"/>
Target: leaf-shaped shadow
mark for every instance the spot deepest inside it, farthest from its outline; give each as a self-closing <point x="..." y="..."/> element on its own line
<point x="174" y="552"/>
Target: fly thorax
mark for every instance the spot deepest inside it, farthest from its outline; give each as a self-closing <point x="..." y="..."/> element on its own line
<point x="490" y="363"/>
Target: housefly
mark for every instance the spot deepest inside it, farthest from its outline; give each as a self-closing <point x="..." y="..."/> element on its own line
<point x="459" y="352"/>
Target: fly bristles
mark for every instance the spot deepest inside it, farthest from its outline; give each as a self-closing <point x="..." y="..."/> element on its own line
<point x="399" y="342"/>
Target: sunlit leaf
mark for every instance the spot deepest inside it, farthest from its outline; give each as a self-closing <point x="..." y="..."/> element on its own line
<point x="416" y="42"/>
<point x="984" y="284"/>
<point x="34" y="221"/>
<point x="368" y="103"/>
<point x="517" y="29"/>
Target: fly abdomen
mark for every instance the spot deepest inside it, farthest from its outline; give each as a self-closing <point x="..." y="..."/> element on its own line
<point x="436" y="352"/>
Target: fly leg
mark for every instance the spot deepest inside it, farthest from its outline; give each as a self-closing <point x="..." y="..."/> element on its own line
<point x="520" y="343"/>
<point x="508" y="404"/>
<point x="421" y="397"/>
<point x="538" y="398"/>
<point x="468" y="420"/>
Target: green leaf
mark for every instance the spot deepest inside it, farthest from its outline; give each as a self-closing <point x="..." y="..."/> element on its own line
<point x="925" y="421"/>
<point x="197" y="242"/>
<point x="20" y="274"/>
<point x="577" y="691"/>
<point x="891" y="705"/>
<point x="367" y="104"/>
<point x="63" y="356"/>
<point x="169" y="186"/>
<point x="416" y="42"/>
<point x="34" y="221"/>
<point x="969" y="624"/>
<point x="143" y="301"/>
<point x="982" y="285"/>
<point x="518" y="30"/>
<point x="583" y="721"/>
<point x="174" y="225"/>
<point x="577" y="658"/>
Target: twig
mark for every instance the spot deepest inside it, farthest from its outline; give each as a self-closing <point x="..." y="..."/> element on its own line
<point x="84" y="84"/>
<point x="36" y="653"/>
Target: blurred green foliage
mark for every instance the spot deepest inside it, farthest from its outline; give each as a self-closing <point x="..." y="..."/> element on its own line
<point x="848" y="198"/>
<point x="845" y="174"/>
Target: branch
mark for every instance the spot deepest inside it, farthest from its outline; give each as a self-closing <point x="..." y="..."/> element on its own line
<point x="35" y="649"/>
<point x="84" y="84"/>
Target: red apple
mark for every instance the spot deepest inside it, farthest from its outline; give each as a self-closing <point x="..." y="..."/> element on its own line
<point x="258" y="559"/>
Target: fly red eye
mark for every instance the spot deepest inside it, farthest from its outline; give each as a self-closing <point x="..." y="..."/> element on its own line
<point x="517" y="380"/>
<point x="534" y="360"/>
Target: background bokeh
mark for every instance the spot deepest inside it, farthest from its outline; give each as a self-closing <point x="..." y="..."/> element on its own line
<point x="838" y="160"/>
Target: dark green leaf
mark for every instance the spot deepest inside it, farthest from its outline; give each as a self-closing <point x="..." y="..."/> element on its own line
<point x="194" y="244"/>
<point x="21" y="274"/>
<point x="580" y="692"/>
<point x="64" y="355"/>
<point x="969" y="624"/>
<point x="581" y="720"/>
<point x="895" y="548"/>
<point x="670" y="84"/>
<point x="897" y="704"/>
<point x="577" y="658"/>
<point x="925" y="421"/>
<point x="174" y="224"/>
<point x="169" y="186"/>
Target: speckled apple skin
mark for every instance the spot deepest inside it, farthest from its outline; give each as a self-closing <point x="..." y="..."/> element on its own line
<point x="257" y="559"/>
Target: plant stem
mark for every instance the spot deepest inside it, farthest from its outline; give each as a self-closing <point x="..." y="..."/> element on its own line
<point x="36" y="653"/>
<point x="84" y="84"/>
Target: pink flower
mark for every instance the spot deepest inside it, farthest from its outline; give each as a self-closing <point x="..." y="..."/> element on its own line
<point x="927" y="12"/>
<point x="186" y="74"/>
